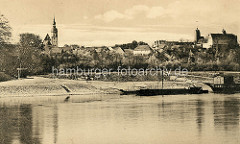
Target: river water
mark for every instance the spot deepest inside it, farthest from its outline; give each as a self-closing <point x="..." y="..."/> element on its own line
<point x="113" y="119"/>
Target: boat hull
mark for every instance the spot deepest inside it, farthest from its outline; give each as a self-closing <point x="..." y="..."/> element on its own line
<point x="156" y="92"/>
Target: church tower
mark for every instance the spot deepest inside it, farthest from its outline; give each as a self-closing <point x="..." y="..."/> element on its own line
<point x="54" y="34"/>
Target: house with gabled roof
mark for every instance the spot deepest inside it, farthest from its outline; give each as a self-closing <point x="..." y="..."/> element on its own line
<point x="118" y="50"/>
<point x="142" y="50"/>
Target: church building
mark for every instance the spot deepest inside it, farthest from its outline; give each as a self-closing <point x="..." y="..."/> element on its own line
<point x="53" y="41"/>
<point x="50" y="43"/>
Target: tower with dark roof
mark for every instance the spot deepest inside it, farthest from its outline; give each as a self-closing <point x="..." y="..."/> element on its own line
<point x="197" y="35"/>
<point x="54" y="34"/>
<point x="224" y="31"/>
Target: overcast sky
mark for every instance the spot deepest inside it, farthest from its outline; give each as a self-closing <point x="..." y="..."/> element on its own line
<point x="107" y="22"/>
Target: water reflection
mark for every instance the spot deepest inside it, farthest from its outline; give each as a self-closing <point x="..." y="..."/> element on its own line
<point x="199" y="114"/>
<point x="16" y="121"/>
<point x="226" y="113"/>
<point x="26" y="125"/>
<point x="8" y="125"/>
<point x="55" y="122"/>
<point x="189" y="119"/>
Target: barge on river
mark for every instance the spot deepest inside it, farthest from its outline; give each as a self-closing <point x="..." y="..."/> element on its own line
<point x="155" y="92"/>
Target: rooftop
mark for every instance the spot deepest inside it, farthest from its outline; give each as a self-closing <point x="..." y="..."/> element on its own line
<point x="143" y="48"/>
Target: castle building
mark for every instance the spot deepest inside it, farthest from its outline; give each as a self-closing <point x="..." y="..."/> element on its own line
<point x="222" y="40"/>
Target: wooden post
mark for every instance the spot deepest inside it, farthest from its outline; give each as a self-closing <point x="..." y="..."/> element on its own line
<point x="162" y="83"/>
<point x="162" y="79"/>
<point x="19" y="71"/>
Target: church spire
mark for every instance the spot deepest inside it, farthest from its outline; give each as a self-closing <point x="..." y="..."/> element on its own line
<point x="54" y="21"/>
<point x="54" y="34"/>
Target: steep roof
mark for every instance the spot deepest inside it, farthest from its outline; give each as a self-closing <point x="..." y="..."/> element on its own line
<point x="118" y="50"/>
<point x="47" y="37"/>
<point x="110" y="48"/>
<point x="143" y="48"/>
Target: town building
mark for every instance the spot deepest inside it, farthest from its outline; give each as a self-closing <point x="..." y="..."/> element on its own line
<point x="128" y="52"/>
<point x="119" y="50"/>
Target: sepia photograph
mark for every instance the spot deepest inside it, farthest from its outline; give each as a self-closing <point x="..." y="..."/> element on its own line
<point x="119" y="72"/>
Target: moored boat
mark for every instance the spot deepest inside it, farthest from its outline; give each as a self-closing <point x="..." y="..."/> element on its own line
<point x="225" y="84"/>
<point x="155" y="92"/>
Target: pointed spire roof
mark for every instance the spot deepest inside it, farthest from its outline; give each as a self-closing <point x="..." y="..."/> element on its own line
<point x="54" y="21"/>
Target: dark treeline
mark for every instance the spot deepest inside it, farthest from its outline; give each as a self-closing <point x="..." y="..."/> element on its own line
<point x="131" y="45"/>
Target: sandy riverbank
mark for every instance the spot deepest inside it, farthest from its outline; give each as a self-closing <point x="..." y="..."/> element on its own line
<point x="39" y="86"/>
